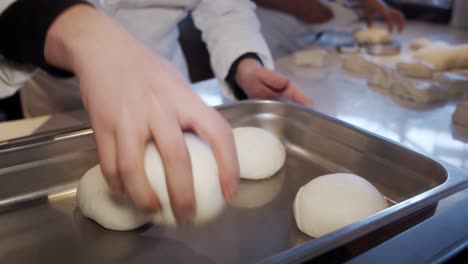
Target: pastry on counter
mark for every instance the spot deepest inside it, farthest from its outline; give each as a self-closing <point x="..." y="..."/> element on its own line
<point x="372" y="35"/>
<point x="419" y="91"/>
<point x="313" y="57"/>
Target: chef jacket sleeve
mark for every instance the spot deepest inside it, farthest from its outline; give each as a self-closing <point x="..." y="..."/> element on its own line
<point x="23" y="27"/>
<point x="230" y="29"/>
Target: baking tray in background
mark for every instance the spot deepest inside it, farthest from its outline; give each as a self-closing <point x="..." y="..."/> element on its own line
<point x="39" y="221"/>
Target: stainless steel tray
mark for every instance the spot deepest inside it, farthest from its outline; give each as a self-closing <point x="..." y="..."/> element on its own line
<point x="39" y="221"/>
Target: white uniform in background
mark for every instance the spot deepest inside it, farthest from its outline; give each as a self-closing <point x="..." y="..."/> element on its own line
<point x="230" y="29"/>
<point x="286" y="34"/>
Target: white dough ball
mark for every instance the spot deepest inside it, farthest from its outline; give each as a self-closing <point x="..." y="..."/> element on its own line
<point x="332" y="201"/>
<point x="260" y="153"/>
<point x="372" y="36"/>
<point x="96" y="202"/>
<point x="208" y="195"/>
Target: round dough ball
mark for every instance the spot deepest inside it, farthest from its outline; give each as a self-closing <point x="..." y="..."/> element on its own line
<point x="332" y="201"/>
<point x="260" y="153"/>
<point x="372" y="36"/>
<point x="96" y="202"/>
<point x="208" y="195"/>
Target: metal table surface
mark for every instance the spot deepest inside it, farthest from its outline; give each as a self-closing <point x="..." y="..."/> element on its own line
<point x="427" y="130"/>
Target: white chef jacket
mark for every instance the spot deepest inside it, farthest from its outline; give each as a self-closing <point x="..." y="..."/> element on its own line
<point x="229" y="28"/>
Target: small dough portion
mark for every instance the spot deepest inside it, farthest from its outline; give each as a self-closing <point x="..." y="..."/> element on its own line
<point x="442" y="56"/>
<point x="372" y="36"/>
<point x="96" y="202"/>
<point x="208" y="195"/>
<point x="419" y="91"/>
<point x="456" y="84"/>
<point x="313" y="57"/>
<point x="460" y="116"/>
<point x="260" y="153"/>
<point x="382" y="78"/>
<point x="358" y="64"/>
<point x="330" y="202"/>
<point x="414" y="68"/>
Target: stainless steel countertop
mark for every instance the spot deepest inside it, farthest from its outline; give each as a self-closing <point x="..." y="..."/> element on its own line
<point x="427" y="130"/>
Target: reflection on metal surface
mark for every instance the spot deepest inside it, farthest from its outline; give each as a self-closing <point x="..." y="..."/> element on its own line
<point x="258" y="193"/>
<point x="63" y="193"/>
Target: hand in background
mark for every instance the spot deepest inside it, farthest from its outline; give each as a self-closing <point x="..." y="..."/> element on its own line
<point x="259" y="82"/>
<point x="312" y="11"/>
<point x="391" y="15"/>
<point x="133" y="96"/>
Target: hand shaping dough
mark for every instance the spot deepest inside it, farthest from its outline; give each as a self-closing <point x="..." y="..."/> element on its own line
<point x="260" y="153"/>
<point x="460" y="116"/>
<point x="310" y="57"/>
<point x="94" y="197"/>
<point x="455" y="84"/>
<point x="418" y="91"/>
<point x="96" y="202"/>
<point x="208" y="196"/>
<point x="372" y="36"/>
<point x="332" y="201"/>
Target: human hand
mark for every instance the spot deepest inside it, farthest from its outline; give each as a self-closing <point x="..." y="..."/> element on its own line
<point x="312" y="11"/>
<point x="391" y="15"/>
<point x="132" y="96"/>
<point x="258" y="82"/>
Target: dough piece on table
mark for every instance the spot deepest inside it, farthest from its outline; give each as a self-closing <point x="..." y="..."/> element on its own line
<point x="332" y="201"/>
<point x="310" y="57"/>
<point x="419" y="91"/>
<point x="382" y="78"/>
<point x="372" y="36"/>
<point x="384" y="74"/>
<point x="208" y="195"/>
<point x="444" y="57"/>
<point x="456" y="84"/>
<point x="416" y="69"/>
<point x="260" y="153"/>
<point x="420" y="43"/>
<point x="96" y="202"/>
<point x="460" y="116"/>
<point x="358" y="64"/>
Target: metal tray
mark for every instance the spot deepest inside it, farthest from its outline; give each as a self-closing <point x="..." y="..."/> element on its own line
<point x="39" y="221"/>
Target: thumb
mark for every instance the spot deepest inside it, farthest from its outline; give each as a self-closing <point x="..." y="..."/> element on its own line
<point x="273" y="80"/>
